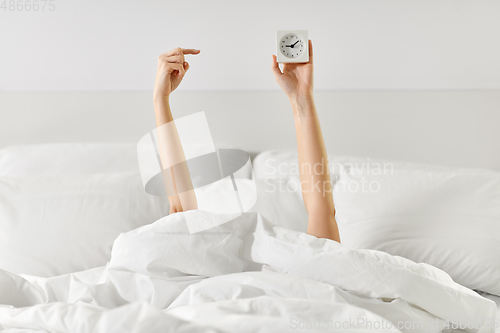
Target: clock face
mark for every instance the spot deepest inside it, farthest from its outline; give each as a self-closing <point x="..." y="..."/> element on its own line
<point x="292" y="46"/>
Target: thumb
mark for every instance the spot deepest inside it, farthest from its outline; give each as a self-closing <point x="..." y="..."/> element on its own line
<point x="275" y="67"/>
<point x="181" y="71"/>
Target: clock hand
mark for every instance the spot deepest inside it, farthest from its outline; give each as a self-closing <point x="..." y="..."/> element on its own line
<point x="292" y="45"/>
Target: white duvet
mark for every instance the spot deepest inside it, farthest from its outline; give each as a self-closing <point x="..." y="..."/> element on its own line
<point x="243" y="276"/>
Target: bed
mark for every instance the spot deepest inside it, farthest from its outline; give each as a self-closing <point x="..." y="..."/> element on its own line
<point x="83" y="248"/>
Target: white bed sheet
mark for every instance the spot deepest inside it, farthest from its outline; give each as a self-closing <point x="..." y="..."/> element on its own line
<point x="242" y="276"/>
<point x="495" y="299"/>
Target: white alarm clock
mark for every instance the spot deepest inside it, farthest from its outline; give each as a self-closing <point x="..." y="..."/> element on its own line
<point x="292" y="46"/>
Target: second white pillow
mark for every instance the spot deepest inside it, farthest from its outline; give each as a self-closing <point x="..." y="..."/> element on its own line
<point x="55" y="225"/>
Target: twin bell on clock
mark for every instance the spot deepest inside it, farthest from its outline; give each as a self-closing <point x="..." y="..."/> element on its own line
<point x="292" y="46"/>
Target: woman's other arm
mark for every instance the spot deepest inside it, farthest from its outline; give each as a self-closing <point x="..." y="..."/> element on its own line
<point x="172" y="68"/>
<point x="296" y="80"/>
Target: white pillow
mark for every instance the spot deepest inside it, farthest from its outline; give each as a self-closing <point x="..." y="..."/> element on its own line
<point x="279" y="201"/>
<point x="53" y="190"/>
<point x="284" y="164"/>
<point x="56" y="225"/>
<point x="68" y="159"/>
<point x="449" y="219"/>
<point x="82" y="158"/>
<point x="444" y="216"/>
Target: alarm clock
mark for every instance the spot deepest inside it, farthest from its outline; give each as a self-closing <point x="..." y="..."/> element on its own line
<point x="292" y="46"/>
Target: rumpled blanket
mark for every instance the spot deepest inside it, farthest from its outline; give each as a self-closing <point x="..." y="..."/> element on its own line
<point x="246" y="275"/>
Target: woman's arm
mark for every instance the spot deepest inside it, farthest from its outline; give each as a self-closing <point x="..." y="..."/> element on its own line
<point x="171" y="70"/>
<point x="296" y="80"/>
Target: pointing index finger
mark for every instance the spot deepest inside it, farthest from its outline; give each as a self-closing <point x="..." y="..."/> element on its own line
<point x="190" y="51"/>
<point x="179" y="51"/>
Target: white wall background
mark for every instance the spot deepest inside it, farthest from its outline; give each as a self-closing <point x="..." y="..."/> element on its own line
<point x="443" y="127"/>
<point x="417" y="80"/>
<point x="360" y="44"/>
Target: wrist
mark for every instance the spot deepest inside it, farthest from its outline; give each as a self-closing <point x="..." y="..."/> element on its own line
<point x="301" y="99"/>
<point x="160" y="98"/>
<point x="302" y="103"/>
<point x="162" y="109"/>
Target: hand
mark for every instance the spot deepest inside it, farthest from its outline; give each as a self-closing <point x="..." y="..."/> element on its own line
<point x="171" y="70"/>
<point x="175" y="205"/>
<point x="296" y="80"/>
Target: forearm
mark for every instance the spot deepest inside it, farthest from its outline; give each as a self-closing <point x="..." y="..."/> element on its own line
<point x="313" y="159"/>
<point x="163" y="114"/>
<point x="175" y="171"/>
<point x="314" y="171"/>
